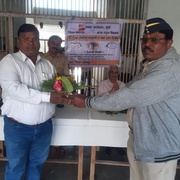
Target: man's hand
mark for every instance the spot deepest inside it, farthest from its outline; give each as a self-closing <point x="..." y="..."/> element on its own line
<point x="77" y="100"/>
<point x="59" y="98"/>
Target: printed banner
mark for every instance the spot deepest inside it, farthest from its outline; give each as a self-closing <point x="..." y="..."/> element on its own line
<point x="90" y="43"/>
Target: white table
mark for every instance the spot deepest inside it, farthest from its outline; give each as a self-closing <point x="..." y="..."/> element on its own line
<point x="86" y="127"/>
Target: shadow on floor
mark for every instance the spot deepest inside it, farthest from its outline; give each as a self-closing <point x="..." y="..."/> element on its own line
<point x="54" y="171"/>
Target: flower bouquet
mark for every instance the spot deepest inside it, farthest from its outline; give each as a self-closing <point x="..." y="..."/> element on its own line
<point x="63" y="84"/>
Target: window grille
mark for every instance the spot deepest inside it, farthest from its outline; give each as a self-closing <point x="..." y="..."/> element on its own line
<point x="13" y="13"/>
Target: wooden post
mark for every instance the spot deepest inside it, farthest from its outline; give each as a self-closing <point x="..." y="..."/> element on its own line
<point x="93" y="161"/>
<point x="1" y="149"/>
<point x="80" y="162"/>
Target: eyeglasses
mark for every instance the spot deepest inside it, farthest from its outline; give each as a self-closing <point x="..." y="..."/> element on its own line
<point x="153" y="40"/>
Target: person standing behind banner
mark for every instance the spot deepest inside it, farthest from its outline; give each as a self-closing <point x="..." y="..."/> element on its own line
<point x="27" y="110"/>
<point x="58" y="59"/>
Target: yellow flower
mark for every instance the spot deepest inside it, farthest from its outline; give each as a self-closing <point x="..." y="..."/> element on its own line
<point x="58" y="78"/>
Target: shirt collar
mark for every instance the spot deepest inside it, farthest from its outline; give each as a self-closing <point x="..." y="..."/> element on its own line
<point x="24" y="57"/>
<point x="57" y="55"/>
<point x="147" y="63"/>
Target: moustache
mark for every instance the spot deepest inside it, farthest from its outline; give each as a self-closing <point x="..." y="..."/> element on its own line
<point x="55" y="48"/>
<point x="147" y="49"/>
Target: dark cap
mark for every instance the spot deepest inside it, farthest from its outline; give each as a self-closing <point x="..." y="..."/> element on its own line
<point x="155" y="25"/>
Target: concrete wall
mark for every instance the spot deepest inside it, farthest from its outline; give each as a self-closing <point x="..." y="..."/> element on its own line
<point x="170" y="11"/>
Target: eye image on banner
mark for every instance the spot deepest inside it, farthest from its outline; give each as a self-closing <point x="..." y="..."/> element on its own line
<point x="90" y="43"/>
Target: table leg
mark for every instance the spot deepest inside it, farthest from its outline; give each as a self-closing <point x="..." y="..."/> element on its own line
<point x="1" y="149"/>
<point x="92" y="164"/>
<point x="80" y="162"/>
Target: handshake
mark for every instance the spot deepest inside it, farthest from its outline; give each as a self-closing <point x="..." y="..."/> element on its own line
<point x="77" y="100"/>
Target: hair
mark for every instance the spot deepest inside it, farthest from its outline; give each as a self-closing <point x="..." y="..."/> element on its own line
<point x="54" y="37"/>
<point x="28" y="28"/>
<point x="168" y="33"/>
<point x="113" y="66"/>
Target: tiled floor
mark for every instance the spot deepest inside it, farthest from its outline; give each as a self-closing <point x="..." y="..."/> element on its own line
<point x="52" y="171"/>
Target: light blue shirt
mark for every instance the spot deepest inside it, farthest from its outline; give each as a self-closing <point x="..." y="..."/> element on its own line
<point x="154" y="96"/>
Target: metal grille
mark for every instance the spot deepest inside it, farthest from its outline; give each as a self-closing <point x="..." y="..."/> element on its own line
<point x="3" y="37"/>
<point x="132" y="12"/>
<point x="124" y="9"/>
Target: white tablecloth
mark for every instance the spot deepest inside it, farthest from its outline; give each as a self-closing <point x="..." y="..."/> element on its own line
<point x="86" y="127"/>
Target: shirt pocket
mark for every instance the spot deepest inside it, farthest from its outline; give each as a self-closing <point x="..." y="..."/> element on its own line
<point x="46" y="76"/>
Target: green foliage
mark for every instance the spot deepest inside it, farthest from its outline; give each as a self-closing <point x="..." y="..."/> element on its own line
<point x="69" y="85"/>
<point x="47" y="85"/>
